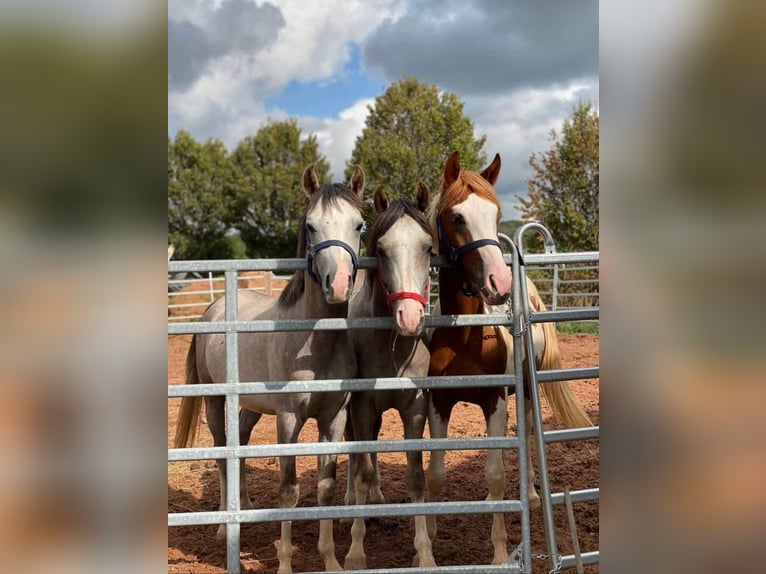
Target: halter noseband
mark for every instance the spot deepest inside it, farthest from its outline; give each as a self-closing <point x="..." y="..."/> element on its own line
<point x="391" y="297"/>
<point x="456" y="252"/>
<point x="312" y="250"/>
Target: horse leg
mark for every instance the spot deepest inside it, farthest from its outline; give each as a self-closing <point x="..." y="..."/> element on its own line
<point x="534" y="498"/>
<point x="215" y="413"/>
<point x="247" y="420"/>
<point x="329" y="430"/>
<point x="350" y="497"/>
<point x="436" y="473"/>
<point x="363" y="425"/>
<point x="414" y="421"/>
<point x="376" y="495"/>
<point x="497" y="426"/>
<point x="288" y="427"/>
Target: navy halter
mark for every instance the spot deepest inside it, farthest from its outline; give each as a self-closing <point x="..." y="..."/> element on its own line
<point x="312" y="250"/>
<point x="456" y="252"/>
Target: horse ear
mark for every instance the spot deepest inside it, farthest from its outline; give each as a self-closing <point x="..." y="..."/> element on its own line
<point x="423" y="197"/>
<point x="451" y="169"/>
<point x="357" y="181"/>
<point x="310" y="181"/>
<point x="492" y="171"/>
<point x="380" y="200"/>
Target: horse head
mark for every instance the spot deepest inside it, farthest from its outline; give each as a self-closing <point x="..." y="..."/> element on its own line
<point x="332" y="226"/>
<point x="465" y="217"/>
<point x="401" y="240"/>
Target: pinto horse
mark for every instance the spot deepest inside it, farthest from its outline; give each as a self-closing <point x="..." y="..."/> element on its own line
<point x="401" y="239"/>
<point x="329" y="238"/>
<point x="465" y="215"/>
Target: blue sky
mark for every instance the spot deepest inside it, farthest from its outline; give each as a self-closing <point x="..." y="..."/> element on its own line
<point x="329" y="98"/>
<point x="519" y="67"/>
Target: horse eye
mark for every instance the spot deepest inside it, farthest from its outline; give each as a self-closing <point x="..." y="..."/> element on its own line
<point x="381" y="252"/>
<point x="430" y="249"/>
<point x="458" y="219"/>
<point x="311" y="228"/>
<point x="360" y="227"/>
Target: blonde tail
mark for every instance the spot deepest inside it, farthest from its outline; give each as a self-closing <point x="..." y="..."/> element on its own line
<point x="188" y="414"/>
<point x="559" y="395"/>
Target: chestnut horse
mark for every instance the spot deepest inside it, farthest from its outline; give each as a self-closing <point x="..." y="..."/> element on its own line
<point x="329" y="238"/>
<point x="465" y="215"/>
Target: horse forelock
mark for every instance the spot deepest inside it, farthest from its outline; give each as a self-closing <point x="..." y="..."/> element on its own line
<point x="467" y="183"/>
<point x="329" y="195"/>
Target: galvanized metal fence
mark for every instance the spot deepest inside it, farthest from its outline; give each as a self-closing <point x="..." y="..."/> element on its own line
<point x="518" y="319"/>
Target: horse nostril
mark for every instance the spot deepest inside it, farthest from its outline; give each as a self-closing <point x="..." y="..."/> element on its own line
<point x="492" y="283"/>
<point x="327" y="282"/>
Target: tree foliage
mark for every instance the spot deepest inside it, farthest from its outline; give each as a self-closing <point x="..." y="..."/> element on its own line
<point x="408" y="135"/>
<point x="201" y="199"/>
<point x="268" y="169"/>
<point x="563" y="192"/>
<point x="247" y="203"/>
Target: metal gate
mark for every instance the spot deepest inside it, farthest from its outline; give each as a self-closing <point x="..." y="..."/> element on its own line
<point x="517" y="320"/>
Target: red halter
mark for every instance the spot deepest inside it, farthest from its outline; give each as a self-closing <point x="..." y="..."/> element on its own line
<point x="391" y="297"/>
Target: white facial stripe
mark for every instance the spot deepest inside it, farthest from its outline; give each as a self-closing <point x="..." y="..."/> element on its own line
<point x="405" y="244"/>
<point x="480" y="217"/>
<point x="335" y="223"/>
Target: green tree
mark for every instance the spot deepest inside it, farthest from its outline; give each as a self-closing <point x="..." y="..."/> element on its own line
<point x="268" y="169"/>
<point x="563" y="192"/>
<point x="408" y="135"/>
<point x="201" y="198"/>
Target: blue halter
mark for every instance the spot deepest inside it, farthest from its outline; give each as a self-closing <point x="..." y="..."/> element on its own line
<point x="312" y="250"/>
<point x="456" y="252"/>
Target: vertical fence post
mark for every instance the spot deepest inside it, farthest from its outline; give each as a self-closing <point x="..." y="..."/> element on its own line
<point x="232" y="423"/>
<point x="517" y="328"/>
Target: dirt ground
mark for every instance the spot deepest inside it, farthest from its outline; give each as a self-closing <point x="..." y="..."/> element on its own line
<point x="193" y="486"/>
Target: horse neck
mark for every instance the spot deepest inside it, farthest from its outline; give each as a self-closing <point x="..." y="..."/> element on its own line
<point x="451" y="298"/>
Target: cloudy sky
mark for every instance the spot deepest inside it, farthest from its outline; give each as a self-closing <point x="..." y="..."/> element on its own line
<point x="519" y="67"/>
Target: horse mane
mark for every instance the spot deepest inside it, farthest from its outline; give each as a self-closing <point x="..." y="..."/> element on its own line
<point x="396" y="209"/>
<point x="467" y="182"/>
<point x="331" y="195"/>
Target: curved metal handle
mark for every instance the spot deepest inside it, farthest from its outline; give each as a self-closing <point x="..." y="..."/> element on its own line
<point x="549" y="244"/>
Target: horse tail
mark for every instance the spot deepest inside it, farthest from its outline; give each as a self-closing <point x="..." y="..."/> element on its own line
<point x="559" y="395"/>
<point x="188" y="414"/>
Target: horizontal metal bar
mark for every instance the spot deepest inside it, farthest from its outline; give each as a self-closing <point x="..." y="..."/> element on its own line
<point x="568" y="560"/>
<point x="341" y="385"/>
<point x="565" y="315"/>
<point x="584" y="433"/>
<point x="559" y="258"/>
<point x="336" y="324"/>
<point x="184" y="305"/>
<point x="555" y="375"/>
<point x="295" y="264"/>
<point x="334" y="512"/>
<point x="184" y="317"/>
<point x="316" y="448"/>
<point x="585" y="495"/>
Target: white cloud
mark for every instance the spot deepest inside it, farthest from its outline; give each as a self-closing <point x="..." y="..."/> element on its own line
<point x="518" y="124"/>
<point x="313" y="45"/>
<point x="336" y="137"/>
